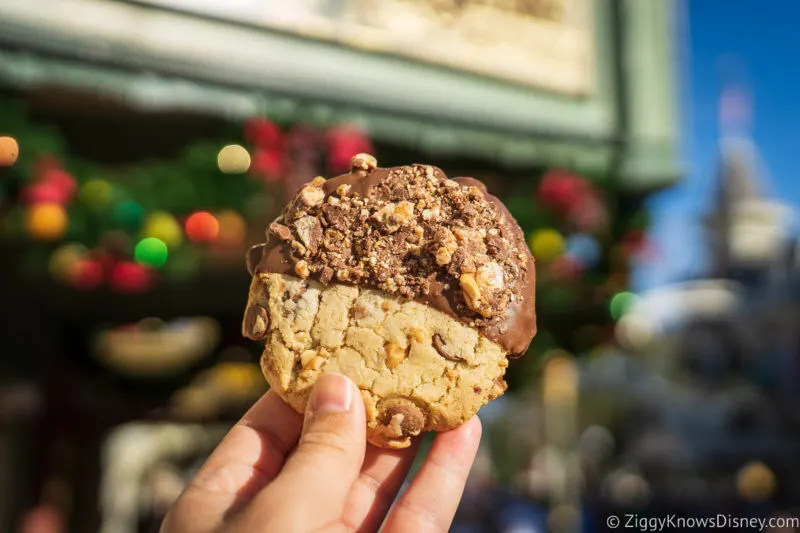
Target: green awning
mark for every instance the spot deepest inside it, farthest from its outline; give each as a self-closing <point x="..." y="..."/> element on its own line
<point x="152" y="58"/>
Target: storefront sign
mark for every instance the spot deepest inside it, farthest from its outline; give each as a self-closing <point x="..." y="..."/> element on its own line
<point x="544" y="43"/>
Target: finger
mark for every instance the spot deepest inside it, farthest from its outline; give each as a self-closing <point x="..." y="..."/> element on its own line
<point x="432" y="499"/>
<point x="312" y="488"/>
<point x="377" y="486"/>
<point x="247" y="459"/>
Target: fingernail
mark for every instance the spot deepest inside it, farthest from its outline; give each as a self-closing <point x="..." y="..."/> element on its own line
<point x="332" y="394"/>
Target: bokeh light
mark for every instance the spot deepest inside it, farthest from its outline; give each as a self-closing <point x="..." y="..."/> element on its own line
<point x="130" y="277"/>
<point x="63" y="260"/>
<point x="621" y="304"/>
<point x="61" y="180"/>
<point x="87" y="274"/>
<point x="232" y="227"/>
<point x="43" y="193"/>
<point x="46" y="221"/>
<point x="128" y="215"/>
<point x="9" y="151"/>
<point x="151" y="251"/>
<point x="233" y="159"/>
<point x="560" y="379"/>
<point x="202" y="226"/>
<point x="755" y="482"/>
<point x="96" y="193"/>
<point x="164" y="227"/>
<point x="635" y="331"/>
<point x="584" y="248"/>
<point x="546" y="244"/>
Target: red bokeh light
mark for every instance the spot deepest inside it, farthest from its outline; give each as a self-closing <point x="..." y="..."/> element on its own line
<point x="202" y="226"/>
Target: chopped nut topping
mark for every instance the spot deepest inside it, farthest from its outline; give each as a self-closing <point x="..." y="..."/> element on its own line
<point x="301" y="269"/>
<point x="471" y="291"/>
<point x="255" y="323"/>
<point x="307" y="356"/>
<point x="314" y="363"/>
<point x="444" y="255"/>
<point x="410" y="232"/>
<point x="280" y="231"/>
<point x="309" y="230"/>
<point x="490" y="276"/>
<point x="363" y="162"/>
<point x="393" y="216"/>
<point x="395" y="354"/>
<point x="418" y="335"/>
<point x="430" y="214"/>
<point x="325" y="275"/>
<point x="299" y="248"/>
<point x="311" y="196"/>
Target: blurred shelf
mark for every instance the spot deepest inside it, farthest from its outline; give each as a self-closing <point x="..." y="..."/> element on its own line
<point x="217" y="290"/>
<point x="222" y="294"/>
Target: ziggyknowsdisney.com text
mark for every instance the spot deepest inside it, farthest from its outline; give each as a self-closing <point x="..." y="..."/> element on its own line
<point x="672" y="521"/>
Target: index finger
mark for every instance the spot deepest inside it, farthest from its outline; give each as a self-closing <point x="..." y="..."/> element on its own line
<point x="247" y="459"/>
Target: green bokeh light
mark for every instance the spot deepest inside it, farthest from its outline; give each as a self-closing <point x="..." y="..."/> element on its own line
<point x="151" y="252"/>
<point x="128" y="215"/>
<point x="621" y="303"/>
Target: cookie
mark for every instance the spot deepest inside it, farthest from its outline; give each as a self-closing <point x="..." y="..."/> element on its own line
<point x="417" y="287"/>
<point x="418" y="369"/>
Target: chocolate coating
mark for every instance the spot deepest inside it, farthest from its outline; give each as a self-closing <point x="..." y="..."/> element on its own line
<point x="512" y="323"/>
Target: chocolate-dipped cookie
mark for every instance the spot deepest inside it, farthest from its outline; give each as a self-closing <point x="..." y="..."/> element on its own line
<point x="415" y="286"/>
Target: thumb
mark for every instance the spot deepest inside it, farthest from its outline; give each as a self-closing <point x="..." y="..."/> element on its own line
<point x="330" y="453"/>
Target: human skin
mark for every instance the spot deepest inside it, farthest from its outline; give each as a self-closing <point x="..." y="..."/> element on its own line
<point x="277" y="471"/>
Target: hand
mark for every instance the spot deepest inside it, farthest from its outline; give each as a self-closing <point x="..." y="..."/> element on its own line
<point x="261" y="479"/>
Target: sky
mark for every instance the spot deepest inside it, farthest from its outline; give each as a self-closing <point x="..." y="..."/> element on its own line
<point x="719" y="43"/>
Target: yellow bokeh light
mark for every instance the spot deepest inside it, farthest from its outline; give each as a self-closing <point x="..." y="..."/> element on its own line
<point x="46" y="221"/>
<point x="546" y="244"/>
<point x="560" y="379"/>
<point x="233" y="159"/>
<point x="755" y="482"/>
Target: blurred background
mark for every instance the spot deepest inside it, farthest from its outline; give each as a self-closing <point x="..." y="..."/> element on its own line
<point x="646" y="147"/>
